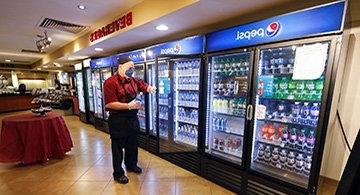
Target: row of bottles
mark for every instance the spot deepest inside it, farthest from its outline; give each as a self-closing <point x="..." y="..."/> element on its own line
<point x="302" y="113"/>
<point x="163" y="99"/>
<point x="229" y="87"/>
<point x="278" y="61"/>
<point x="163" y="128"/>
<point x="228" y="144"/>
<point x="188" y="115"/>
<point x="188" y="83"/>
<point x="231" y="66"/>
<point x="188" y="134"/>
<point x="291" y="137"/>
<point x="163" y="70"/>
<point x="142" y="122"/>
<point x="190" y="99"/>
<point x="234" y="106"/>
<point x="189" y="67"/>
<point x="286" y="88"/>
<point x="163" y="112"/>
<point x="284" y="159"/>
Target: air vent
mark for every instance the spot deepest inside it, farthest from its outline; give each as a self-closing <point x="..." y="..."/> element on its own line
<point x="61" y="25"/>
<point x="32" y="51"/>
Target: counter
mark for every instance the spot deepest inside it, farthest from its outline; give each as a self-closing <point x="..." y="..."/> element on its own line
<point x="15" y="102"/>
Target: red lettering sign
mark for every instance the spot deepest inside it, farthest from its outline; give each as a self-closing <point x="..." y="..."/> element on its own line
<point x="118" y="24"/>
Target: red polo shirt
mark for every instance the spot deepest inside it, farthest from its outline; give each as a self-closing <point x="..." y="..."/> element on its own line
<point x="116" y="87"/>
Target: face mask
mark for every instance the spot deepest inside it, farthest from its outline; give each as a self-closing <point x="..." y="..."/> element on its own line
<point x="130" y="72"/>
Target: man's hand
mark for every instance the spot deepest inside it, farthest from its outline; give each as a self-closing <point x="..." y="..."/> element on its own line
<point x="151" y="89"/>
<point x="134" y="105"/>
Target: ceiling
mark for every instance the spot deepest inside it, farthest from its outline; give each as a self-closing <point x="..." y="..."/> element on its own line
<point x="19" y="20"/>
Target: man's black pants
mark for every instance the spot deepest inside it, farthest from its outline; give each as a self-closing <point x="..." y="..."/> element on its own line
<point x="123" y="131"/>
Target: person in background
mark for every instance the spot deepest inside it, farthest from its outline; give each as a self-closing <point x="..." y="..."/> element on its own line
<point x="120" y="92"/>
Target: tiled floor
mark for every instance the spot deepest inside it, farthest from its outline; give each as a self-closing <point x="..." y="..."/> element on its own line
<point x="87" y="170"/>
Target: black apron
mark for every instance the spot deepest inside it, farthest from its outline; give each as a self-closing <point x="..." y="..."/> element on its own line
<point x="124" y="123"/>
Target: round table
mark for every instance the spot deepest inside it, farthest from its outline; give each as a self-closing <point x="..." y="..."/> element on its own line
<point x="29" y="138"/>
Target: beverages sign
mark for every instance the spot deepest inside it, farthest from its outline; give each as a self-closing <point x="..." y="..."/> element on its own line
<point x="314" y="21"/>
<point x="135" y="56"/>
<point x="120" y="23"/>
<point x="190" y="45"/>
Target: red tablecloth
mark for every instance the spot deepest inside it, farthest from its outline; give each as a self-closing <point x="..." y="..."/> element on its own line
<point x="30" y="138"/>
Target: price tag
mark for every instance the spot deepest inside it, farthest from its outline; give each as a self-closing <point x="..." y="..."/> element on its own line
<point x="260" y="112"/>
<point x="310" y="61"/>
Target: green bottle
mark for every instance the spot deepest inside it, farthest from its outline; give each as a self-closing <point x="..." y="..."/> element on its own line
<point x="319" y="85"/>
<point x="292" y="89"/>
<point x="283" y="85"/>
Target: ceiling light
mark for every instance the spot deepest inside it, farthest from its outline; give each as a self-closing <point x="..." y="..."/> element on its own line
<point x="99" y="49"/>
<point x="45" y="66"/>
<point x="71" y="58"/>
<point x="82" y="7"/>
<point x="7" y="60"/>
<point x="38" y="68"/>
<point x="162" y="27"/>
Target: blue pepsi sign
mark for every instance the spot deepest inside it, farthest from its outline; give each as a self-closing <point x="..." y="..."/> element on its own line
<point x="314" y="21"/>
<point x="101" y="62"/>
<point x="189" y="45"/>
<point x="135" y="56"/>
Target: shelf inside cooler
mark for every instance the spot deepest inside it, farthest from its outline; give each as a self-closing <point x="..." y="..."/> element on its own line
<point x="188" y="88"/>
<point x="282" y="146"/>
<point x="287" y="123"/>
<point x="229" y="114"/>
<point x="188" y="75"/>
<point x="230" y="96"/>
<point x="234" y="157"/>
<point x="187" y="122"/>
<point x="224" y="77"/>
<point x="290" y="100"/>
<point x="163" y="118"/>
<point x="286" y="175"/>
<point x="187" y="105"/>
<point x="228" y="133"/>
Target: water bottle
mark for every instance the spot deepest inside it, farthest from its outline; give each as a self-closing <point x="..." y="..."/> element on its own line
<point x="301" y="140"/>
<point x="261" y="152"/>
<point x="305" y="112"/>
<point x="310" y="141"/>
<point x="295" y="112"/>
<point x="290" y="164"/>
<point x="267" y="154"/>
<point x="275" y="156"/>
<point x="307" y="165"/>
<point x="315" y="111"/>
<point x="283" y="158"/>
<point x="299" y="163"/>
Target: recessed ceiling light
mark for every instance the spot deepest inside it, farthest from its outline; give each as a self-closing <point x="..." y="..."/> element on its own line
<point x="7" y="60"/>
<point x="71" y="58"/>
<point x="82" y="7"/>
<point x="99" y="49"/>
<point x="162" y="27"/>
<point x="45" y="66"/>
<point x="38" y="68"/>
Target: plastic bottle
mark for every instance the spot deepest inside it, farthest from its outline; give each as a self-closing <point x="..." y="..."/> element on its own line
<point x="307" y="165"/>
<point x="275" y="156"/>
<point x="315" y="111"/>
<point x="305" y="113"/>
<point x="301" y="140"/>
<point x="295" y="112"/>
<point x="299" y="163"/>
<point x="293" y="137"/>
<point x="283" y="158"/>
<point x="290" y="164"/>
<point x="261" y="152"/>
<point x="267" y="154"/>
<point x="310" y="141"/>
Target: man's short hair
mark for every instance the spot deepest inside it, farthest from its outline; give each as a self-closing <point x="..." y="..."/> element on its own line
<point x="123" y="60"/>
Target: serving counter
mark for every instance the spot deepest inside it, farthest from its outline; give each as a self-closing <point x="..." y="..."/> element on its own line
<point x="15" y="102"/>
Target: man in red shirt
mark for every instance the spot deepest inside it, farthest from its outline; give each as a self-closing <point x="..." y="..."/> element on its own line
<point x="120" y="92"/>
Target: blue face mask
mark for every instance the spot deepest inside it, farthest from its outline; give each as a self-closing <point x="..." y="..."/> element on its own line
<point x="130" y="72"/>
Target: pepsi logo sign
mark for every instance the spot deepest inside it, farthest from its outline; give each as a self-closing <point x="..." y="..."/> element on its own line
<point x="271" y="30"/>
<point x="173" y="50"/>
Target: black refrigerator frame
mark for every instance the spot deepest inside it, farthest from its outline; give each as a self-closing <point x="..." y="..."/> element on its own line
<point x="216" y="169"/>
<point x="90" y="114"/>
<point x="85" y="116"/>
<point x="326" y="100"/>
<point x="188" y="160"/>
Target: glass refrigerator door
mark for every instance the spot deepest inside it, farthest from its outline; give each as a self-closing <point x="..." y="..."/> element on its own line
<point x="98" y="95"/>
<point x="105" y="74"/>
<point x="139" y="73"/>
<point x="289" y="87"/>
<point x="152" y="106"/>
<point x="80" y="90"/>
<point x="90" y="90"/>
<point x="178" y="104"/>
<point x="227" y="100"/>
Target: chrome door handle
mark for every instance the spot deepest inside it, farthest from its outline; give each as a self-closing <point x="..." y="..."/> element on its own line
<point x="249" y="112"/>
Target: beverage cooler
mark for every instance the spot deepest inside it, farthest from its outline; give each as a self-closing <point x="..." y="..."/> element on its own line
<point x="138" y="57"/>
<point x="268" y="106"/>
<point x="90" y="94"/>
<point x="80" y="95"/>
<point x="178" y="76"/>
<point x="101" y="69"/>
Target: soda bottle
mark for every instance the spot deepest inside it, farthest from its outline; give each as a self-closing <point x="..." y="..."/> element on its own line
<point x="310" y="141"/>
<point x="261" y="152"/>
<point x="310" y="89"/>
<point x="319" y="85"/>
<point x="300" y="86"/>
<point x="290" y="164"/>
<point x="215" y="142"/>
<point x="315" y="111"/>
<point x="267" y="154"/>
<point x="293" y="137"/>
<point x="281" y="111"/>
<point x="283" y="158"/>
<point x="299" y="163"/>
<point x="292" y="89"/>
<point x="276" y="88"/>
<point x="280" y="132"/>
<point x="260" y="87"/>
<point x="264" y="131"/>
<point x="301" y="140"/>
<point x="283" y="85"/>
<point x="285" y="136"/>
<point x="305" y="113"/>
<point x="295" y="112"/>
<point x="271" y="132"/>
<point x="275" y="156"/>
<point x="307" y="165"/>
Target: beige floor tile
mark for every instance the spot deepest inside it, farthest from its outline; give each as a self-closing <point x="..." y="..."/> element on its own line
<point x="160" y="187"/>
<point x="218" y="190"/>
<point x="131" y="188"/>
<point x="53" y="187"/>
<point x="70" y="173"/>
<point x="182" y="173"/>
<point x="97" y="174"/>
<point x="84" y="160"/>
<point x="87" y="188"/>
<point x="160" y="173"/>
<point x="105" y="161"/>
<point x="192" y="186"/>
<point x="20" y="187"/>
<point x="159" y="162"/>
<point x="136" y="177"/>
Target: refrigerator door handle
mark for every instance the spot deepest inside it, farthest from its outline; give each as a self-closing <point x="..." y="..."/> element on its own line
<point x="249" y="112"/>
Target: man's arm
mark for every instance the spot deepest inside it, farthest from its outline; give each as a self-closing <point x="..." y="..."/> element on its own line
<point x="123" y="106"/>
<point x="111" y="99"/>
<point x="144" y="87"/>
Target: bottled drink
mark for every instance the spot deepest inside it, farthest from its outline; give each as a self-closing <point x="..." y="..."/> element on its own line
<point x="285" y="135"/>
<point x="283" y="86"/>
<point x="290" y="163"/>
<point x="319" y="85"/>
<point x="283" y="158"/>
<point x="292" y="89"/>
<point x="310" y="88"/>
<point x="281" y="111"/>
<point x="300" y="86"/>
<point x="310" y="141"/>
<point x="264" y="131"/>
<point x="293" y="137"/>
<point x="261" y="152"/>
<point x="304" y="112"/>
<point x="301" y="139"/>
<point x="295" y="112"/>
<point x="299" y="163"/>
<point x="315" y="111"/>
<point x="275" y="156"/>
<point x="267" y="154"/>
<point x="307" y="165"/>
<point x="271" y="132"/>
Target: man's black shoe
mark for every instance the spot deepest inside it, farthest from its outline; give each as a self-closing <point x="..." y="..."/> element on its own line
<point x="135" y="169"/>
<point x="123" y="179"/>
